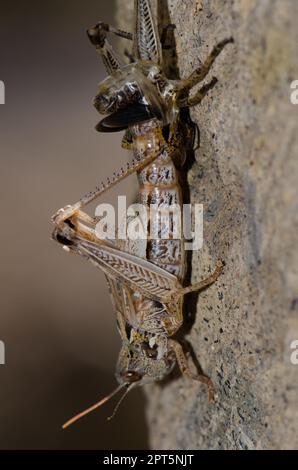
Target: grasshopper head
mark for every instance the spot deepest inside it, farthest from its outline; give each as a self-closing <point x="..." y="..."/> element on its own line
<point x="136" y="366"/>
<point x="140" y="366"/>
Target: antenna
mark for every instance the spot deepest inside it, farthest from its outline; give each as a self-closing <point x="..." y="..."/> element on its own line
<point x="120" y="401"/>
<point x="96" y="406"/>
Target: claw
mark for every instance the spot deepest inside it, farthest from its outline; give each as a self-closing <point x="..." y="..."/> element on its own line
<point x="211" y="391"/>
<point x="219" y="267"/>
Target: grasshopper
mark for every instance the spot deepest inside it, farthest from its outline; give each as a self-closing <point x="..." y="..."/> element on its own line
<point x="145" y="280"/>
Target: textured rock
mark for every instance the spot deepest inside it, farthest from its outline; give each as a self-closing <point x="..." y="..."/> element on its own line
<point x="245" y="174"/>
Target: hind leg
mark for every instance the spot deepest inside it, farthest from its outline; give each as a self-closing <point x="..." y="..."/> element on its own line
<point x="198" y="75"/>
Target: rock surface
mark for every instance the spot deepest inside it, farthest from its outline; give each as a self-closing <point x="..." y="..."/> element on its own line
<point x="245" y="174"/>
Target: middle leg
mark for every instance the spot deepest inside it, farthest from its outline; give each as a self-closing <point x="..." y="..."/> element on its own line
<point x="205" y="283"/>
<point x="188" y="101"/>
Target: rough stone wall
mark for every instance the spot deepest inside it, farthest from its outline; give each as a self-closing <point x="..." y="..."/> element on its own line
<point x="245" y="174"/>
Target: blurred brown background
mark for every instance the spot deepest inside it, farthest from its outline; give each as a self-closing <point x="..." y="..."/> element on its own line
<point x="56" y="320"/>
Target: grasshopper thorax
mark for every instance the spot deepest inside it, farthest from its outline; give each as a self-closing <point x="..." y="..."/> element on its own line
<point x="134" y="94"/>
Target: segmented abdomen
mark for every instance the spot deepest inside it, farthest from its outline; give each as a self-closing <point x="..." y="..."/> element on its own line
<point x="159" y="191"/>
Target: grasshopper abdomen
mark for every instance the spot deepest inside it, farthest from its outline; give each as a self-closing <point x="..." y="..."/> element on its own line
<point x="161" y="194"/>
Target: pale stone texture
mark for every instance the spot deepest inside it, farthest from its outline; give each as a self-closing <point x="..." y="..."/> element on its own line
<point x="246" y="176"/>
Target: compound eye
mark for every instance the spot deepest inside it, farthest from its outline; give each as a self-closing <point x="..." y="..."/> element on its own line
<point x="60" y="238"/>
<point x="132" y="376"/>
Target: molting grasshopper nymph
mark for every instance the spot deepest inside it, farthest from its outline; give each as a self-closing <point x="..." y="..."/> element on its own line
<point x="145" y="279"/>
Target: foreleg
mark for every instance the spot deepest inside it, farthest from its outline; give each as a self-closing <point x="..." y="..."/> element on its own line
<point x="184" y="367"/>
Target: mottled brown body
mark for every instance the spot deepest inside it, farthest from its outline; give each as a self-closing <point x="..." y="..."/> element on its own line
<point x="145" y="278"/>
<point x="159" y="186"/>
